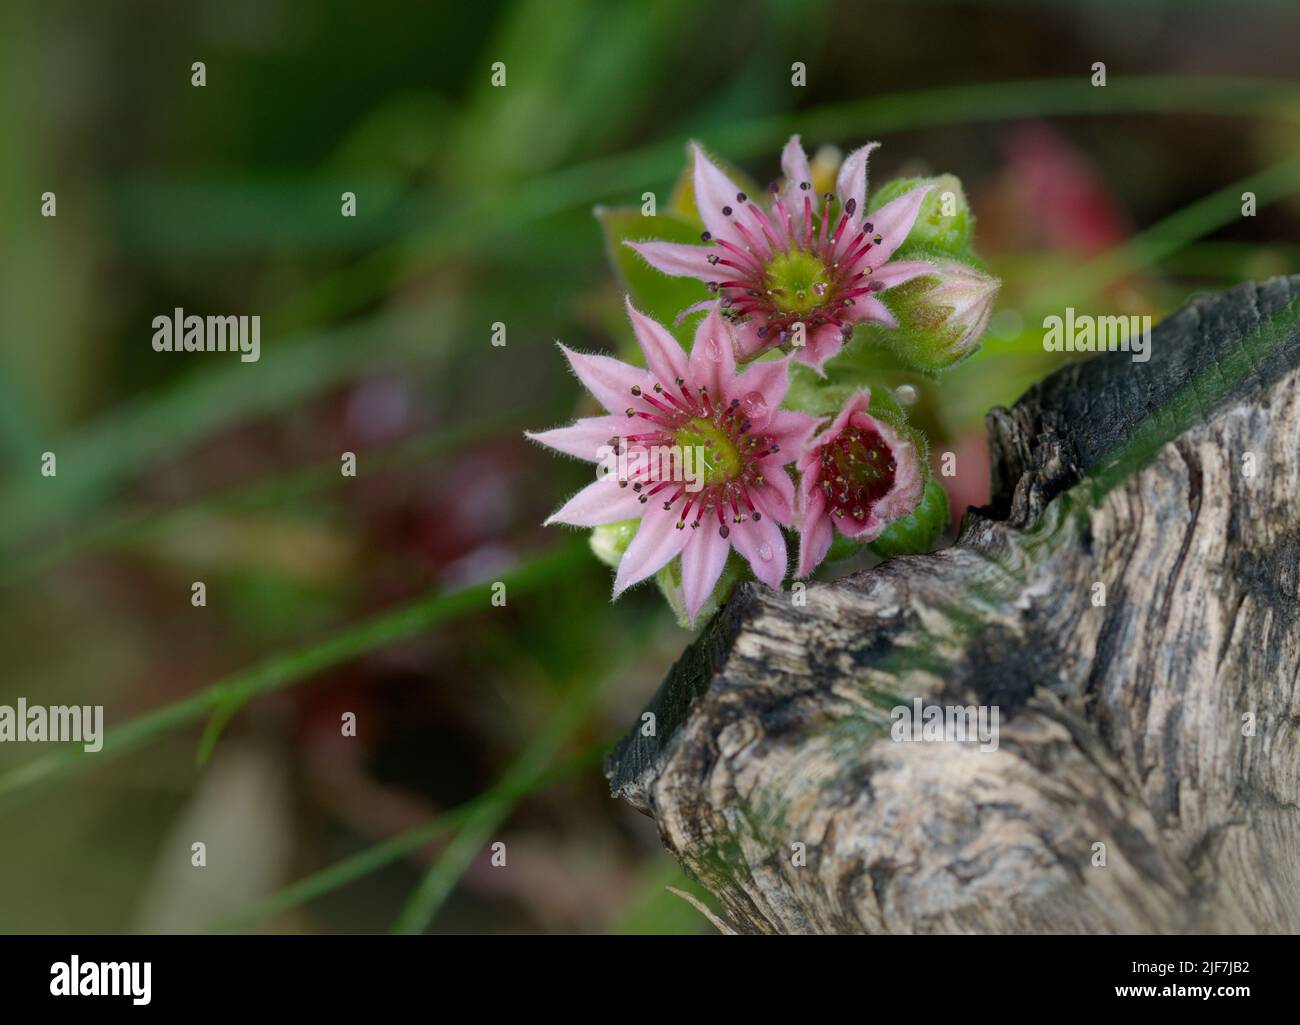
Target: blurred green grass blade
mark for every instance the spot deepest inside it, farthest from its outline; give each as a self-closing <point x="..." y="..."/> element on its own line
<point x="478" y="829"/>
<point x="350" y="869"/>
<point x="656" y="911"/>
<point x="94" y="459"/>
<point x="282" y="671"/>
<point x="283" y="488"/>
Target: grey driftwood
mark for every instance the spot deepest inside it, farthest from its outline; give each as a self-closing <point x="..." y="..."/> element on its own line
<point x="1162" y="725"/>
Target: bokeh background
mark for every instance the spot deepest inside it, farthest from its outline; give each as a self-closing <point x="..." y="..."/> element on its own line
<point x="326" y="595"/>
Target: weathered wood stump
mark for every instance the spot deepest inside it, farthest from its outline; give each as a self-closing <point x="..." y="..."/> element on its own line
<point x="1163" y="724"/>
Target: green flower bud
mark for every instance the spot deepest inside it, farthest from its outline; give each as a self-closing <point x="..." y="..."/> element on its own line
<point x="942" y="316"/>
<point x="610" y="541"/>
<point x="945" y="224"/>
<point x="920" y="529"/>
<point x="669" y="580"/>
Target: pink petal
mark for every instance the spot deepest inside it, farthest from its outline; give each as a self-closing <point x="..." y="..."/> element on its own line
<point x="583" y="439"/>
<point x="792" y="432"/>
<point x="892" y="222"/>
<point x="857" y="406"/>
<point x="868" y="307"/>
<point x="748" y="342"/>
<point x="608" y="379"/>
<point x="775" y="497"/>
<point x="909" y="478"/>
<point x="702" y="562"/>
<point x="851" y="183"/>
<point x="897" y="271"/>
<point x="763" y="546"/>
<point x="663" y="355"/>
<point x="698" y="307"/>
<point x="713" y="355"/>
<point x="872" y="527"/>
<point x="681" y="261"/>
<point x="770" y="378"/>
<point x="599" y="503"/>
<point x="794" y="165"/>
<point x="657" y="541"/>
<point x="823" y="343"/>
<point x="815" y="534"/>
<point x="713" y="191"/>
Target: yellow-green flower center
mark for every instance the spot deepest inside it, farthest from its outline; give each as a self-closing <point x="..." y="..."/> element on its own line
<point x="797" y="282"/>
<point x="717" y="459"/>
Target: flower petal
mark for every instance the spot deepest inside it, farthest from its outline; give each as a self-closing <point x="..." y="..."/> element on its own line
<point x="597" y="504"/>
<point x="868" y="307"/>
<point x="663" y="355"/>
<point x="677" y="259"/>
<point x="702" y="561"/>
<point x="823" y="343"/>
<point x="792" y="432"/>
<point x="775" y="497"/>
<point x="872" y="527"/>
<point x="909" y="476"/>
<point x="763" y="546"/>
<point x="713" y="355"/>
<point x="657" y="541"/>
<point x="897" y="271"/>
<point x="713" y="191"/>
<point x="794" y="165"/>
<point x="815" y="534"/>
<point x="609" y="380"/>
<point x="769" y="377"/>
<point x="893" y="222"/>
<point x="583" y="439"/>
<point x="748" y="342"/>
<point x="851" y="183"/>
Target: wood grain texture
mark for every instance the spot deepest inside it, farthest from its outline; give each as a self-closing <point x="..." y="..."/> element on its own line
<point x="1175" y="484"/>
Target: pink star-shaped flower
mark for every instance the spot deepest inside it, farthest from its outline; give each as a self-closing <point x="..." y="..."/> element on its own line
<point x="695" y="449"/>
<point x="795" y="264"/>
<point x="860" y="475"/>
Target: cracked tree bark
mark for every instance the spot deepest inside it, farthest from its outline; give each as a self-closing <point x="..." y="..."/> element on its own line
<point x="1164" y="724"/>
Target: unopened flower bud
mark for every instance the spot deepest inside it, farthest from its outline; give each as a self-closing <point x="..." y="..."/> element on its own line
<point x="610" y="540"/>
<point x="942" y="316"/>
<point x="945" y="225"/>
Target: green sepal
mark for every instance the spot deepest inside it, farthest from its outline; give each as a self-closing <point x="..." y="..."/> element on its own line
<point x="934" y="232"/>
<point x="919" y="530"/>
<point x="610" y="540"/>
<point x="824" y="397"/>
<point x="669" y="580"/>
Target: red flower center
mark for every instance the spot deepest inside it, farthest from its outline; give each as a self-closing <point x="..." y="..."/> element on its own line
<point x="857" y="471"/>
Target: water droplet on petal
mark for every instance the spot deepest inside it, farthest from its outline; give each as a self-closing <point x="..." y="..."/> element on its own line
<point x="756" y="410"/>
<point x="765" y="552"/>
